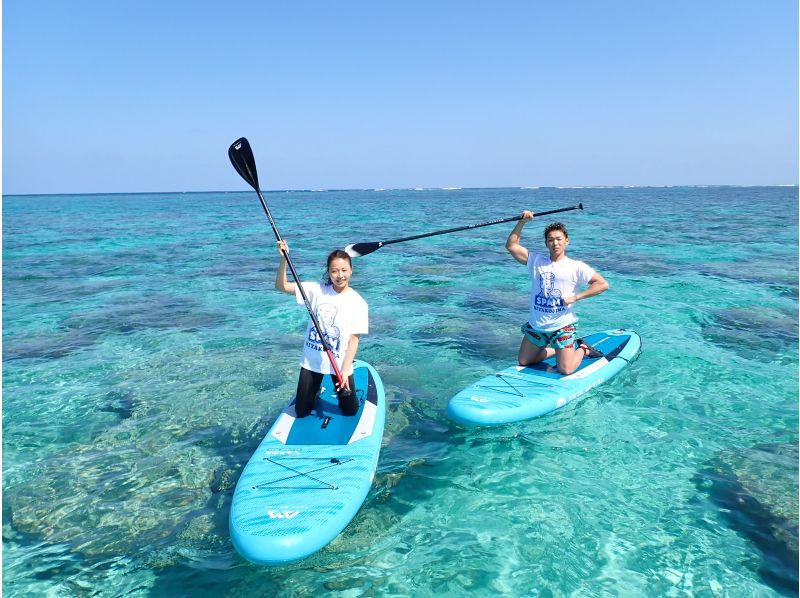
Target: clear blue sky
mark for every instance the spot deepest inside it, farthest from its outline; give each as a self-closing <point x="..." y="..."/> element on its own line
<point x="141" y="95"/>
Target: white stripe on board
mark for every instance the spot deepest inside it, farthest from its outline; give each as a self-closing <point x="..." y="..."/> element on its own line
<point x="366" y="423"/>
<point x="284" y="424"/>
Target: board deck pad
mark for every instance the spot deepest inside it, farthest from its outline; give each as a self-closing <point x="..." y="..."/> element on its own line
<point x="309" y="477"/>
<point x="518" y="393"/>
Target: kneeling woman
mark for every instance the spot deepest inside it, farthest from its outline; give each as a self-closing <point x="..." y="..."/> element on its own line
<point x="342" y="314"/>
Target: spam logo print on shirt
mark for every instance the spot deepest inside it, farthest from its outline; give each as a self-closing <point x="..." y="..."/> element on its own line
<point x="549" y="299"/>
<point x="326" y="316"/>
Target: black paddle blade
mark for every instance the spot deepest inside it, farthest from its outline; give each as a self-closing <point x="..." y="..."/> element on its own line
<point x="361" y="249"/>
<point x="243" y="161"/>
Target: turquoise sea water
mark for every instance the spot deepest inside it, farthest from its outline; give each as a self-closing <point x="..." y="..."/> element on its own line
<point x="145" y="355"/>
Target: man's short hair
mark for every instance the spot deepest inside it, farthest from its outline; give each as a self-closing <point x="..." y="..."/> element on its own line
<point x="556" y="226"/>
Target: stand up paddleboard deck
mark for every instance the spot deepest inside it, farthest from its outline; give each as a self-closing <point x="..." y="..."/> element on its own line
<point x="309" y="477"/>
<point x="519" y="393"/>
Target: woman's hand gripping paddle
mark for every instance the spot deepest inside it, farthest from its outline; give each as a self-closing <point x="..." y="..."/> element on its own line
<point x="245" y="164"/>
<point x="361" y="249"/>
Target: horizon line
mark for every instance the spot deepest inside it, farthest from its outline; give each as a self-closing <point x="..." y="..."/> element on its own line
<point x="380" y="189"/>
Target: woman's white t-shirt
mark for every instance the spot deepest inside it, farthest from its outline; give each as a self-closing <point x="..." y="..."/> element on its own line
<point x="550" y="283"/>
<point x="339" y="315"/>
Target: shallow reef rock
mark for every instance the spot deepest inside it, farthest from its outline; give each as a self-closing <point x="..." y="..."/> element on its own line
<point x="756" y="490"/>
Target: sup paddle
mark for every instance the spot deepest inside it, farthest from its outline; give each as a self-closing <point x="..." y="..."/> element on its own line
<point x="362" y="249"/>
<point x="245" y="164"/>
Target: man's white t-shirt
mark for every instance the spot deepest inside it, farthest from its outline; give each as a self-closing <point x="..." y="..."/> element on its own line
<point x="550" y="283"/>
<point x="339" y="315"/>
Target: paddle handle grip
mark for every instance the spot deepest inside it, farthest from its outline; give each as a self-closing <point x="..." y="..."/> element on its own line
<point x="489" y="223"/>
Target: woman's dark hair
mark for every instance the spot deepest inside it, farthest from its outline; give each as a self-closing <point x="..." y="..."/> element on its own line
<point x="556" y="226"/>
<point x="335" y="254"/>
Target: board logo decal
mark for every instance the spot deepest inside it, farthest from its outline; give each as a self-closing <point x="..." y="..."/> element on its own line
<point x="283" y="514"/>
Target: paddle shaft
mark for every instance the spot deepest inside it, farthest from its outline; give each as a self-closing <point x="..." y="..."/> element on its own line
<point x="314" y="320"/>
<point x="251" y="177"/>
<point x="362" y="249"/>
<point x="470" y="226"/>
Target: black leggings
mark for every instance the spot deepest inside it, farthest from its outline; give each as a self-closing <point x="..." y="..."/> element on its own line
<point x="307" y="387"/>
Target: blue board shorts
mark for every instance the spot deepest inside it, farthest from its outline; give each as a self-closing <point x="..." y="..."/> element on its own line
<point x="558" y="339"/>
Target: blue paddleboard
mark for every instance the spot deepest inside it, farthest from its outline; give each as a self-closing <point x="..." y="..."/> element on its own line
<point x="309" y="477"/>
<point x="519" y="393"/>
